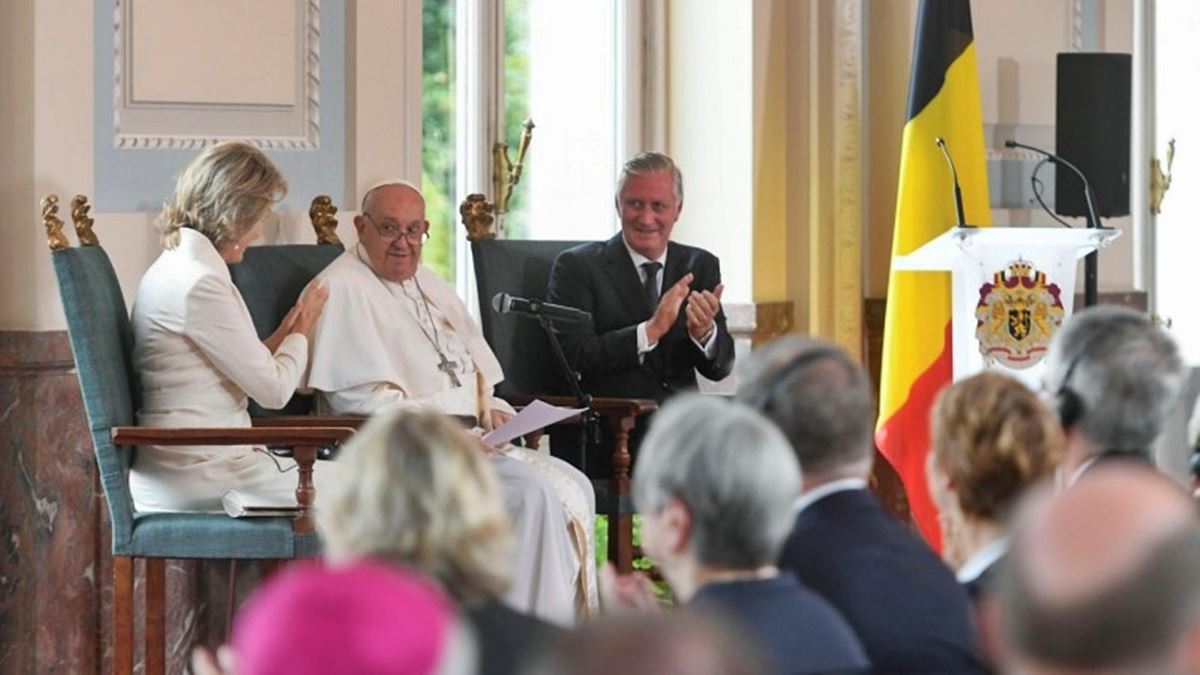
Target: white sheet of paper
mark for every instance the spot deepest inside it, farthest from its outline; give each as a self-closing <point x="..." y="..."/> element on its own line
<point x="534" y="416"/>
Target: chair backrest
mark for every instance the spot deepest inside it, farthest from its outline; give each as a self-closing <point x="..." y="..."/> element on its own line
<point x="521" y="268"/>
<point x="270" y="279"/>
<point x="102" y="343"/>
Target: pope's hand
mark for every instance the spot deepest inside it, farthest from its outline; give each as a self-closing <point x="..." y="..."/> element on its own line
<point x="626" y="593"/>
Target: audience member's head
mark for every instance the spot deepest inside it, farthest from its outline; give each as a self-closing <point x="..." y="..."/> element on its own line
<point x="413" y="488"/>
<point x="364" y="617"/>
<point x="1115" y="377"/>
<point x="683" y="643"/>
<point x="715" y="483"/>
<point x="224" y="194"/>
<point x="821" y="399"/>
<point x="992" y="438"/>
<point x="1104" y="577"/>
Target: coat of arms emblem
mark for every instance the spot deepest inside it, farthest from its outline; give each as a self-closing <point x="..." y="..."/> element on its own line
<point x="1017" y="314"/>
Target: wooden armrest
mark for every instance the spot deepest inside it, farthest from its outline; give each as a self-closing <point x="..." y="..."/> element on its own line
<point x="306" y="436"/>
<point x="347" y="421"/>
<point x="607" y="407"/>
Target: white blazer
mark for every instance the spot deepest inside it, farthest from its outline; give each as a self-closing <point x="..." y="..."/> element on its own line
<point x="199" y="357"/>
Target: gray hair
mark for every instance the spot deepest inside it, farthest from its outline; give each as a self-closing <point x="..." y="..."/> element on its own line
<point x="1126" y="372"/>
<point x="412" y="488"/>
<point x="222" y="193"/>
<point x="818" y="396"/>
<point x="732" y="469"/>
<point x="646" y="163"/>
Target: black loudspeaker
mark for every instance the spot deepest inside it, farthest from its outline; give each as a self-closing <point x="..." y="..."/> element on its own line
<point x="1092" y="132"/>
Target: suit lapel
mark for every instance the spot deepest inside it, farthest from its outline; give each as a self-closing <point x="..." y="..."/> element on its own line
<point x="625" y="279"/>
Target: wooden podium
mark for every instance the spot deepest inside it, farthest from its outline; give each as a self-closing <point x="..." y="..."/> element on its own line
<point x="1012" y="288"/>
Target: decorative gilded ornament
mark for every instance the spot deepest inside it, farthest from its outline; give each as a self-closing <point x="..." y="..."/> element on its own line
<point x="83" y="222"/>
<point x="477" y="216"/>
<point x="1160" y="182"/>
<point x="54" y="226"/>
<point x="322" y="214"/>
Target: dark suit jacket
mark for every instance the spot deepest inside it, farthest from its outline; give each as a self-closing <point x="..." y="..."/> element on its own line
<point x="600" y="278"/>
<point x="508" y="639"/>
<point x="798" y="629"/>
<point x="902" y="601"/>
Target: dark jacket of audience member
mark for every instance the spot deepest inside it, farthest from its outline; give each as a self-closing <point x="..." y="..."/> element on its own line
<point x="904" y="604"/>
<point x="803" y="631"/>
<point x="715" y="485"/>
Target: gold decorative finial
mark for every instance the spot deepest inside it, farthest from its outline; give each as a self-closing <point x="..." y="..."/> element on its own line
<point x="1160" y="182"/>
<point x="54" y="226"/>
<point x="477" y="216"/>
<point x="83" y="222"/>
<point x="321" y="213"/>
<point x="506" y="174"/>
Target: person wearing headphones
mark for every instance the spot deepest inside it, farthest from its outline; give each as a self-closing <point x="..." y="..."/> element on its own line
<point x="1115" y="377"/>
<point x="904" y="604"/>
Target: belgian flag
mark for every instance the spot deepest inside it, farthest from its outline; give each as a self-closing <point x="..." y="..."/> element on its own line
<point x="943" y="100"/>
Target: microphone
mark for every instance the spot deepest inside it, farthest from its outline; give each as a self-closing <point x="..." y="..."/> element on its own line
<point x="503" y="303"/>
<point x="1093" y="221"/>
<point x="958" y="199"/>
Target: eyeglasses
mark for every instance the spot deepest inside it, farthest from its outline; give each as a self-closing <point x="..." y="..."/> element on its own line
<point x="389" y="229"/>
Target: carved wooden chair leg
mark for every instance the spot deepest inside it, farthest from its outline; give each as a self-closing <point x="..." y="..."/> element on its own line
<point x="620" y="517"/>
<point x="122" y="615"/>
<point x="231" y="599"/>
<point x="156" y="594"/>
<point x="305" y="456"/>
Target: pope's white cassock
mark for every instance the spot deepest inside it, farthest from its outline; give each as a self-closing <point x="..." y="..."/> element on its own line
<point x="386" y="345"/>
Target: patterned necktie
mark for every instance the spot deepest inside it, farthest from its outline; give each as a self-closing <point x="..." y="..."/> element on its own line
<point x="650" y="285"/>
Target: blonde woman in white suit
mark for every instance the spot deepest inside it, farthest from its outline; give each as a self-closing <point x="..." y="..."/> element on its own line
<point x="195" y="347"/>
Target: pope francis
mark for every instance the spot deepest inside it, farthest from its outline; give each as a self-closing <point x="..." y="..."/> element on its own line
<point x="394" y="335"/>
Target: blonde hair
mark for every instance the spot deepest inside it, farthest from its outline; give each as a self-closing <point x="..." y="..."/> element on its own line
<point x="993" y="437"/>
<point x="221" y="194"/>
<point x="414" y="489"/>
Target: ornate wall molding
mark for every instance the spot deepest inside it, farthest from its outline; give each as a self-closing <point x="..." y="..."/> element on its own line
<point x="190" y="125"/>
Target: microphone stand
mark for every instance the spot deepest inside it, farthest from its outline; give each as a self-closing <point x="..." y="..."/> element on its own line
<point x="1091" y="262"/>
<point x="589" y="420"/>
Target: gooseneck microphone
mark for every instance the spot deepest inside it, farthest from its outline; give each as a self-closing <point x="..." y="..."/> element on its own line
<point x="1091" y="262"/>
<point x="1093" y="221"/>
<point x="503" y="303"/>
<point x="958" y="199"/>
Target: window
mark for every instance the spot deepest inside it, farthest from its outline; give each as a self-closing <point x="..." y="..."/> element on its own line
<point x="487" y="67"/>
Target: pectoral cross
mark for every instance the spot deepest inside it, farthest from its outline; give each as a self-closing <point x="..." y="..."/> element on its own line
<point x="447" y="366"/>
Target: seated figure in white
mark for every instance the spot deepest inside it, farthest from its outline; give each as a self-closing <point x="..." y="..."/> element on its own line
<point x="395" y="336"/>
<point x="195" y="348"/>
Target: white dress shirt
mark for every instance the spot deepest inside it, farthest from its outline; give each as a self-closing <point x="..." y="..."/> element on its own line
<point x="810" y="497"/>
<point x="709" y="347"/>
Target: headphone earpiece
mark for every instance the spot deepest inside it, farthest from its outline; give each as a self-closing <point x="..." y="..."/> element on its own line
<point x="769" y="393"/>
<point x="1069" y="406"/>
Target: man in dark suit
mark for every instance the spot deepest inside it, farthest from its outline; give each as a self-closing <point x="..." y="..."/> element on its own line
<point x="902" y="601"/>
<point x="655" y="304"/>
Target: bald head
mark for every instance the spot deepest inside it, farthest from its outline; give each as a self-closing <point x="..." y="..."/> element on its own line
<point x="1104" y="575"/>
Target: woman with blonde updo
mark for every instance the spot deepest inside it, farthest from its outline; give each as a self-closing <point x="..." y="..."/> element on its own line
<point x="416" y="490"/>
<point x="992" y="438"/>
<point x="195" y="347"/>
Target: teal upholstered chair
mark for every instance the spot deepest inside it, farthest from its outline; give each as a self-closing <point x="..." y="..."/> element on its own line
<point x="102" y="342"/>
<point x="522" y="268"/>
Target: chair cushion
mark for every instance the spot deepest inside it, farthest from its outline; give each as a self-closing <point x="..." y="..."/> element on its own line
<point x="215" y="535"/>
